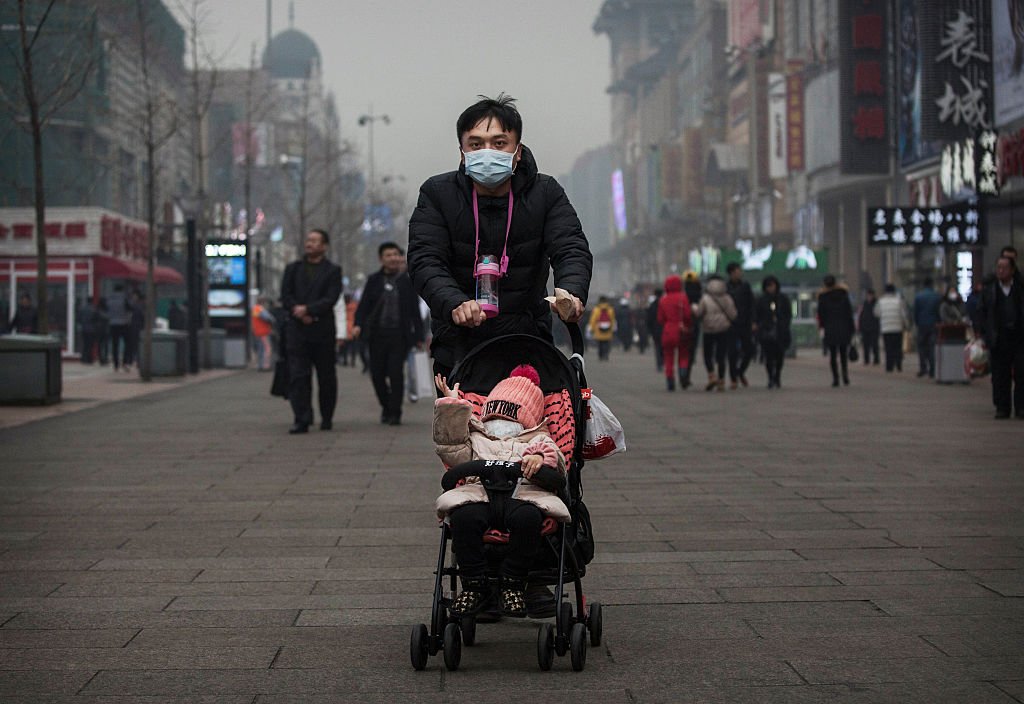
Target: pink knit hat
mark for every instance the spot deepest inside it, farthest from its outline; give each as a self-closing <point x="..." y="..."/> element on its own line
<point x="517" y="398"/>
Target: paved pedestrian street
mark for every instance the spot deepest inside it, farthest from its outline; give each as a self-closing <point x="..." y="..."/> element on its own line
<point x="861" y="544"/>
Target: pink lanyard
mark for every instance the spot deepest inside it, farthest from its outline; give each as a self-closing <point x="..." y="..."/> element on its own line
<point x="508" y="229"/>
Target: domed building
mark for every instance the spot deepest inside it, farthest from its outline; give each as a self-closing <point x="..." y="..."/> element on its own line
<point x="291" y="54"/>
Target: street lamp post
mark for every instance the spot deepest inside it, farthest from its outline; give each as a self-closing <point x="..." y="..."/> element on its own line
<point x="367" y="121"/>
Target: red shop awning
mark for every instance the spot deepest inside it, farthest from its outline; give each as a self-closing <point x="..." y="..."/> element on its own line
<point x="114" y="268"/>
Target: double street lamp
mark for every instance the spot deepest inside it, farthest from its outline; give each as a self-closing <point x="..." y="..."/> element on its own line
<point x="367" y="121"/>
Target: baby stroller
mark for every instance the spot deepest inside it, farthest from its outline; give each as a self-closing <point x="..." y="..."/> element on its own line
<point x="568" y="547"/>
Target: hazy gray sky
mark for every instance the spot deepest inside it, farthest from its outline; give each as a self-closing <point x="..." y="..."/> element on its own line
<point x="422" y="62"/>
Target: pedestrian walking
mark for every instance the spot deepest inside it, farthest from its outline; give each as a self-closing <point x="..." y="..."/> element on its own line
<point x="868" y="325"/>
<point x="262" y="328"/>
<point x="773" y="314"/>
<point x="1002" y="315"/>
<point x="602" y="327"/>
<point x="86" y="316"/>
<point x="893" y="320"/>
<point x="741" y="347"/>
<point x="716" y="311"/>
<point x="497" y="203"/>
<point x="25" y="320"/>
<point x="639" y="313"/>
<point x="654" y="328"/>
<point x="119" y="313"/>
<point x="388" y="322"/>
<point x="926" y="317"/>
<point x="137" y="321"/>
<point x="309" y="289"/>
<point x="952" y="310"/>
<point x="102" y="331"/>
<point x="692" y="287"/>
<point x="835" y="317"/>
<point x="624" y="327"/>
<point x="676" y="319"/>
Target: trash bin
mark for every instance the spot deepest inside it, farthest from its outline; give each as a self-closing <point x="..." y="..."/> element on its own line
<point x="170" y="353"/>
<point x="216" y="358"/>
<point x="30" y="370"/>
<point x="950" y="340"/>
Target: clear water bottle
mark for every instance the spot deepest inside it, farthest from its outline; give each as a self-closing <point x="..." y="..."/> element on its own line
<point x="488" y="271"/>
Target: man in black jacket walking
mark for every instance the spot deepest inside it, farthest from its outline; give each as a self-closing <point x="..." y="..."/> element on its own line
<point x="1002" y="322"/>
<point x="497" y="204"/>
<point x="309" y="290"/>
<point x="388" y="321"/>
<point x="741" y="346"/>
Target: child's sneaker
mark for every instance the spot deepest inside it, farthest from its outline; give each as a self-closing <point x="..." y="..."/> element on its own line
<point x="472" y="596"/>
<point x="513" y="597"/>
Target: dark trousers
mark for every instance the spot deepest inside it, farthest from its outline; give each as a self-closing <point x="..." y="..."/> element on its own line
<point x="656" y="340"/>
<point x="716" y="346"/>
<point x="119" y="345"/>
<point x="840" y="351"/>
<point x="521" y="519"/>
<point x="773" y="356"/>
<point x="926" y="351"/>
<point x="869" y="340"/>
<point x="303" y="355"/>
<point x="603" y="348"/>
<point x="88" y="343"/>
<point x="387" y="367"/>
<point x="893" y="342"/>
<point x="741" y="351"/>
<point x="1007" y="361"/>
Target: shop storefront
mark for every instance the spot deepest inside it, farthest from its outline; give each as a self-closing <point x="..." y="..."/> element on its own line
<point x="89" y="251"/>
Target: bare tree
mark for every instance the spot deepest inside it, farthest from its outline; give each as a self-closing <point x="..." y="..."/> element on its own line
<point x="45" y="89"/>
<point x="155" y="133"/>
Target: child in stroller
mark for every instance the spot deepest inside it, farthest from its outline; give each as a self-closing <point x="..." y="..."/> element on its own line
<point x="511" y="429"/>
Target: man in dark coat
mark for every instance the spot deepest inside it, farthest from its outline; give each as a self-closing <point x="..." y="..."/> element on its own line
<point x="1002" y="321"/>
<point x="498" y="204"/>
<point x="25" y="320"/>
<point x="835" y="316"/>
<point x="870" y="326"/>
<point x="309" y="290"/>
<point x="388" y="321"/>
<point x="741" y="347"/>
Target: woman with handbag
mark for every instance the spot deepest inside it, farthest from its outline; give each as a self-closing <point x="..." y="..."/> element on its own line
<point x="772" y="318"/>
<point x="716" y="312"/>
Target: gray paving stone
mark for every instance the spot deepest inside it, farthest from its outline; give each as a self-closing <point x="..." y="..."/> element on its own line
<point x="66" y="638"/>
<point x="95" y="658"/>
<point x="897" y="669"/>
<point x="140" y="619"/>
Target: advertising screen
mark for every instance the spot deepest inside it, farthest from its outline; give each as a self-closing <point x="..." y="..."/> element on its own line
<point x="226" y="271"/>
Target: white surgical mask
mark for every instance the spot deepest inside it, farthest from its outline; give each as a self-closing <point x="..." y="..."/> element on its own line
<point x="490" y="167"/>
<point x="503" y="428"/>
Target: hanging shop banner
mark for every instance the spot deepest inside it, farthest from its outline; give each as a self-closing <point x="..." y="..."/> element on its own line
<point x="968" y="167"/>
<point x="911" y="145"/>
<point x="776" y="125"/>
<point x="795" y="116"/>
<point x="1011" y="156"/>
<point x="1008" y="60"/>
<point x="956" y="44"/>
<point x="863" y="86"/>
<point x="951" y="225"/>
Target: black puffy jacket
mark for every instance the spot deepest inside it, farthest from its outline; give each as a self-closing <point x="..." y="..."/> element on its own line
<point x="546" y="234"/>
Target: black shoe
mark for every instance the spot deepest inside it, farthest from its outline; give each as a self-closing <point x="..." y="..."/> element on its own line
<point x="513" y="597"/>
<point x="743" y="380"/>
<point x="670" y="384"/>
<point x="395" y="420"/>
<point x="326" y="425"/>
<point x="540" y="601"/>
<point x="472" y="596"/>
<point x="846" y="381"/>
<point x="1002" y="415"/>
<point x="835" y="382"/>
<point x="385" y="417"/>
<point x="298" y="429"/>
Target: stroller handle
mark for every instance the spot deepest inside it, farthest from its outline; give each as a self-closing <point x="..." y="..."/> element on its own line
<point x="501" y="476"/>
<point x="576" y="337"/>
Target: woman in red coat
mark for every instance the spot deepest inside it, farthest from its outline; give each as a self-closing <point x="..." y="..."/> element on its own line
<point x="676" y="320"/>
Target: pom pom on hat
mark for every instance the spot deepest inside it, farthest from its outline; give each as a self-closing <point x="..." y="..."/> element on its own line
<point x="517" y="398"/>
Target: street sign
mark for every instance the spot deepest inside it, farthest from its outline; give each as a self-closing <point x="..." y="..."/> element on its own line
<point x="950" y="225"/>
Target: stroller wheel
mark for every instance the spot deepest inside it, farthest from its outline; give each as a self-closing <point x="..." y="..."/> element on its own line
<point x="468" y="626"/>
<point x="594" y="623"/>
<point x="545" y="646"/>
<point x="578" y="646"/>
<point x="418" y="646"/>
<point x="565" y="618"/>
<point x="452" y="646"/>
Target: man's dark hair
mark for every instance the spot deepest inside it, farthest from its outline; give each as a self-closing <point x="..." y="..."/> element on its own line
<point x="322" y="233"/>
<point x="1009" y="251"/>
<point x="927" y="282"/>
<point x="731" y="267"/>
<point x="870" y="291"/>
<point x="830" y="281"/>
<point x="385" y="246"/>
<point x="502" y="109"/>
<point x="769" y="280"/>
<point x="890" y="288"/>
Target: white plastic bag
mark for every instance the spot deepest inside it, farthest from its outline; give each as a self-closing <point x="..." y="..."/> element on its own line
<point x="424" y="373"/>
<point x="976" y="358"/>
<point x="604" y="436"/>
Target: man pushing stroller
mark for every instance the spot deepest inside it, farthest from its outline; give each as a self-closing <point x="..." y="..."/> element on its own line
<point x="511" y="428"/>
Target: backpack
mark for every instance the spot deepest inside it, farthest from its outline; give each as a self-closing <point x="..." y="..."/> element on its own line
<point x="604" y="320"/>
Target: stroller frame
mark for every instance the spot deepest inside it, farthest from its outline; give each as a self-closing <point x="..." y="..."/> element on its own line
<point x="573" y="628"/>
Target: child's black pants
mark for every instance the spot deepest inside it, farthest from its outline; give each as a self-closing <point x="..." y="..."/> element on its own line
<point x="521" y="519"/>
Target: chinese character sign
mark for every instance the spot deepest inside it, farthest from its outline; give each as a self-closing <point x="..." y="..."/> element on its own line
<point x="951" y="225"/>
<point x="956" y="43"/>
<point x="864" y="89"/>
<point x="795" y="116"/>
